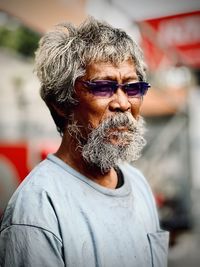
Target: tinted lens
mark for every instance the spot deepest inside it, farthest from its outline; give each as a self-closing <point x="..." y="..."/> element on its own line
<point x="102" y="88"/>
<point x="136" y="89"/>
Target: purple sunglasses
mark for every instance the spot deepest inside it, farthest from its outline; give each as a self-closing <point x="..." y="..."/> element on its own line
<point x="106" y="88"/>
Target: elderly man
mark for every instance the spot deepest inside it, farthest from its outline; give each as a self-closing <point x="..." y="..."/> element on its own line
<point x="85" y="205"/>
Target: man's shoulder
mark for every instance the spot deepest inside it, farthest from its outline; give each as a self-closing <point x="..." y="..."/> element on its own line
<point x="33" y="202"/>
<point x="45" y="176"/>
<point x="46" y="169"/>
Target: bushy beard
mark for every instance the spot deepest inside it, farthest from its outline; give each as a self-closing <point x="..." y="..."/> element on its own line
<point x="117" y="139"/>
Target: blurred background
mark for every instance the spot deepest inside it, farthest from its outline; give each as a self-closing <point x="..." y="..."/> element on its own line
<point x="169" y="33"/>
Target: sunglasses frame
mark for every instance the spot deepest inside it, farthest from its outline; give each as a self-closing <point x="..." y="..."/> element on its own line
<point x="113" y="86"/>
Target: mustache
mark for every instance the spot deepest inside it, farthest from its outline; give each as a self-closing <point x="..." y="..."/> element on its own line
<point x="118" y="120"/>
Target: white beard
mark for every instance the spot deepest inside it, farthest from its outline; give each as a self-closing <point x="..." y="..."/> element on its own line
<point x="100" y="151"/>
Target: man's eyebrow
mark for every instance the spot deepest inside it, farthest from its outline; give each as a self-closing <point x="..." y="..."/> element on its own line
<point x="130" y="78"/>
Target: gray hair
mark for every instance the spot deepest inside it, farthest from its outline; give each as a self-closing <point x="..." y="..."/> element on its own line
<point x="64" y="54"/>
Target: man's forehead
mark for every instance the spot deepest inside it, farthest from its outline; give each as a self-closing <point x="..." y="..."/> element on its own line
<point x="108" y="70"/>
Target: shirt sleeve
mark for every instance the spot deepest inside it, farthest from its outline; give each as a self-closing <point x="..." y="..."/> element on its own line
<point x="24" y="245"/>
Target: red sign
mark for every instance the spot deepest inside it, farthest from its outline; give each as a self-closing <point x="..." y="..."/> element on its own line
<point x="17" y="156"/>
<point x="172" y="40"/>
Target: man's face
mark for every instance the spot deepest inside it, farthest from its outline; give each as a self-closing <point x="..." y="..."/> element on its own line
<point x="108" y="125"/>
<point x="93" y="110"/>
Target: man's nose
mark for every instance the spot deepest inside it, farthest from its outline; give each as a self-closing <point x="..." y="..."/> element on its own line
<point x="120" y="101"/>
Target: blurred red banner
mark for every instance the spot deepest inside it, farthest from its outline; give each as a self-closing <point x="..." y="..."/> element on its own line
<point x="172" y="40"/>
<point x="16" y="156"/>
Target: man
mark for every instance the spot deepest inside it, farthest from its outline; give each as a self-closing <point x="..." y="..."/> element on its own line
<point x="85" y="205"/>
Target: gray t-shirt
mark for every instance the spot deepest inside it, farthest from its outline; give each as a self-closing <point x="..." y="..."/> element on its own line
<point x="58" y="217"/>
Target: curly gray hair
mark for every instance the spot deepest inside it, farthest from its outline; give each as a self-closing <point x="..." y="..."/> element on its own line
<point x="64" y="54"/>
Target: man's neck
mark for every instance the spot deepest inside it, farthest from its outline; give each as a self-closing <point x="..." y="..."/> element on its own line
<point x="71" y="154"/>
